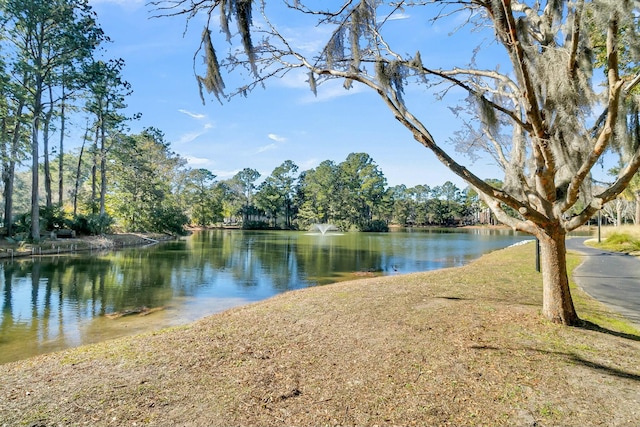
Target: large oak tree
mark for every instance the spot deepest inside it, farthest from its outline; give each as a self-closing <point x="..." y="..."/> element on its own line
<point x="557" y="99"/>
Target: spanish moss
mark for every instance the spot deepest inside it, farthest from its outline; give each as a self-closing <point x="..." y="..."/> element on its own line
<point x="212" y="81"/>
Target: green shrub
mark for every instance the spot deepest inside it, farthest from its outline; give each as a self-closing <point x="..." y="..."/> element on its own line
<point x="622" y="242"/>
<point x="92" y="224"/>
<point x="620" y="238"/>
<point x="255" y="225"/>
<point x="53" y="218"/>
<point x="168" y="219"/>
<point x="376" y="226"/>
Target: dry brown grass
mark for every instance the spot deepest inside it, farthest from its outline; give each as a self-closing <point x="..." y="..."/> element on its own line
<point x="464" y="346"/>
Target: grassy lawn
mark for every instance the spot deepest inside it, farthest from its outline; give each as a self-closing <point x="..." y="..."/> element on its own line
<point x="459" y="346"/>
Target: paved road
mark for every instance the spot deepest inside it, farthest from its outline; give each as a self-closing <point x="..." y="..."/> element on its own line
<point x="609" y="277"/>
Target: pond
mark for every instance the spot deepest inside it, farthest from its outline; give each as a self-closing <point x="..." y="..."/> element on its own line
<point x="57" y="302"/>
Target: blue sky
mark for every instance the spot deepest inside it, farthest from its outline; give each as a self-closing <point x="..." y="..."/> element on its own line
<point x="284" y="121"/>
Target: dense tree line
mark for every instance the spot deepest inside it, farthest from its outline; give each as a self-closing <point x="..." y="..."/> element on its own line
<point x="49" y="68"/>
<point x="52" y="69"/>
<point x="150" y="188"/>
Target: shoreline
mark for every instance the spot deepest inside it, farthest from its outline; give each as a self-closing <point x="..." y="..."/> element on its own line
<point x="48" y="246"/>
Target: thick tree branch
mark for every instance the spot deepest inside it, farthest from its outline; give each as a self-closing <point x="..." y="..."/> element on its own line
<point x="575" y="39"/>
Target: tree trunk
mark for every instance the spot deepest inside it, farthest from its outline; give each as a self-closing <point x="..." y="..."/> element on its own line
<point x="10" y="173"/>
<point x="103" y="167"/>
<point x="636" y="219"/>
<point x="5" y="163"/>
<point x="9" y="178"/>
<point x="35" y="184"/>
<point x="557" y="304"/>
<point x="94" y="172"/>
<point x="35" y="156"/>
<point x="45" y="153"/>
<point x="61" y="158"/>
<point x="77" y="183"/>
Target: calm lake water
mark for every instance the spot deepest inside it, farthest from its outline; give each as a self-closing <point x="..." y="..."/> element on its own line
<point x="52" y="303"/>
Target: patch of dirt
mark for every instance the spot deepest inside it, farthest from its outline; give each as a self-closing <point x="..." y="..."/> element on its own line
<point x="464" y="346"/>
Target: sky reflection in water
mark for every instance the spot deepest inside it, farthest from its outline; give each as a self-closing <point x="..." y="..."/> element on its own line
<point x="51" y="303"/>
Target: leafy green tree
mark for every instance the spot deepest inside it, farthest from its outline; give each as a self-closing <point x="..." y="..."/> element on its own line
<point x="276" y="194"/>
<point x="206" y="206"/>
<point x="421" y="195"/>
<point x="45" y="36"/>
<point x="14" y="137"/>
<point x="437" y="209"/>
<point x="73" y="83"/>
<point x="362" y="187"/>
<point x="244" y="185"/>
<point x="269" y="199"/>
<point x="284" y="178"/>
<point x="106" y="93"/>
<point x="140" y="195"/>
<point x="317" y="194"/>
<point x="447" y="204"/>
<point x="232" y="202"/>
<point x="403" y="205"/>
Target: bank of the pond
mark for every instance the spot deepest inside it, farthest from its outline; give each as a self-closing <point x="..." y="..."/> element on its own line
<point x="10" y="248"/>
<point x="463" y="346"/>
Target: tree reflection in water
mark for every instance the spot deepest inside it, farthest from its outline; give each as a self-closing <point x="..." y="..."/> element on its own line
<point x="51" y="303"/>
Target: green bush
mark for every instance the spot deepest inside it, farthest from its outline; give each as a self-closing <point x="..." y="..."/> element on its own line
<point x="22" y="223"/>
<point x="92" y="224"/>
<point x="255" y="225"/>
<point x="376" y="226"/>
<point x="620" y="238"/>
<point x="622" y="242"/>
<point x="169" y="219"/>
<point x="53" y="218"/>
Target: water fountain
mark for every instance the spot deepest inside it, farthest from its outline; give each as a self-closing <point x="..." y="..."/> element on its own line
<point x="323" y="228"/>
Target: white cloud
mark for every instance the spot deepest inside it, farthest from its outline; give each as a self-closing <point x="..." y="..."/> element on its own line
<point x="305" y="39"/>
<point x="266" y="148"/>
<point x="197" y="161"/>
<point x="276" y="138"/>
<point x="193" y="115"/>
<point x="225" y="174"/>
<point x="190" y="136"/>
<point x="297" y="79"/>
<point x="397" y="16"/>
<point x="332" y="89"/>
<point x="327" y="90"/>
<point x="308" y="164"/>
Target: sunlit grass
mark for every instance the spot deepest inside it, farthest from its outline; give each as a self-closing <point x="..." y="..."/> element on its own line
<point x="631" y="230"/>
<point x="625" y="238"/>
<point x="386" y="345"/>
